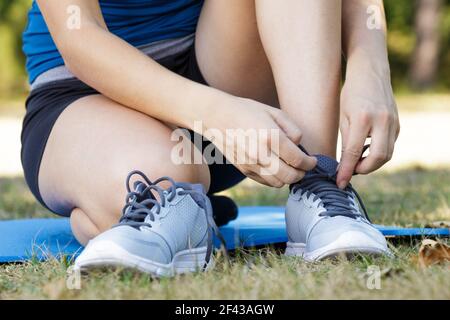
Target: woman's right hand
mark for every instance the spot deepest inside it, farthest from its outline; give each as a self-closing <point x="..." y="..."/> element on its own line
<point x="261" y="141"/>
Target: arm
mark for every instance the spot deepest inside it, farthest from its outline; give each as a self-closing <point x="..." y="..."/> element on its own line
<point x="95" y="56"/>
<point x="368" y="108"/>
<point x="364" y="33"/>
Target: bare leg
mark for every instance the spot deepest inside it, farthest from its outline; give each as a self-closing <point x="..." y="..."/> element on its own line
<point x="93" y="146"/>
<point x="96" y="141"/>
<point x="299" y="40"/>
<point x="302" y="39"/>
<point x="229" y="51"/>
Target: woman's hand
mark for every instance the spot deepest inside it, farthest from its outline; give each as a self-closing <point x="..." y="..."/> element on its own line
<point x="368" y="109"/>
<point x="261" y="141"/>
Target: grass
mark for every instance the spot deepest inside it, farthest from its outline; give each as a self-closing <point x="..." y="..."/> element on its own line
<point x="17" y="202"/>
<point x="262" y="274"/>
<point x="12" y="107"/>
<point x="410" y="197"/>
<point x="430" y="102"/>
<point x="413" y="196"/>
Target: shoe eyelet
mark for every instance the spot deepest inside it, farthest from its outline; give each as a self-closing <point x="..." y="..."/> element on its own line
<point x="307" y="202"/>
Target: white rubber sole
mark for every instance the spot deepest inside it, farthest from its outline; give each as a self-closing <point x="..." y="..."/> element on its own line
<point x="349" y="243"/>
<point x="109" y="254"/>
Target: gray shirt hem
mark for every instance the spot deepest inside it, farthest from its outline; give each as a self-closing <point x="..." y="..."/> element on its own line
<point x="155" y="50"/>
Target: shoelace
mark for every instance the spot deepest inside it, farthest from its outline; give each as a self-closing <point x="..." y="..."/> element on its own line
<point x="337" y="202"/>
<point x="141" y="204"/>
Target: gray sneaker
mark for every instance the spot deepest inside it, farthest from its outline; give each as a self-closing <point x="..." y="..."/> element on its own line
<point x="323" y="221"/>
<point x="163" y="238"/>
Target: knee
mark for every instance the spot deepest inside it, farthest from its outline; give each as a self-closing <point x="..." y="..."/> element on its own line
<point x="104" y="209"/>
<point x="103" y="198"/>
<point x="83" y="228"/>
<point x="195" y="173"/>
<point x="158" y="164"/>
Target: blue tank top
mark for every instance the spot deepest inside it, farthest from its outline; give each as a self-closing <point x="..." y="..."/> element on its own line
<point x="138" y="22"/>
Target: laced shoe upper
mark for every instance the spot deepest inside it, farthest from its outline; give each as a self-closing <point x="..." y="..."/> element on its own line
<point x="318" y="212"/>
<point x="319" y="186"/>
<point x="157" y="223"/>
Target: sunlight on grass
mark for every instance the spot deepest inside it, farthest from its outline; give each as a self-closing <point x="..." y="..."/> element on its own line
<point x="252" y="274"/>
<point x="17" y="202"/>
<point x="408" y="197"/>
<point x="412" y="196"/>
<point x="407" y="102"/>
<point x="427" y="103"/>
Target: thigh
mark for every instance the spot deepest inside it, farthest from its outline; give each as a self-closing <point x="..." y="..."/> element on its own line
<point x="229" y="51"/>
<point x="93" y="145"/>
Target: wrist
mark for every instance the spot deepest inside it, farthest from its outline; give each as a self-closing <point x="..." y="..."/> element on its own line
<point x="362" y="62"/>
<point x="205" y="105"/>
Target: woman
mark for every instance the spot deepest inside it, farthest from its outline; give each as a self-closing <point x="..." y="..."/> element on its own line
<point x="111" y="80"/>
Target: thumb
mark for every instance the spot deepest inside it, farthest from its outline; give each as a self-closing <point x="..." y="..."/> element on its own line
<point x="352" y="149"/>
<point x="289" y="127"/>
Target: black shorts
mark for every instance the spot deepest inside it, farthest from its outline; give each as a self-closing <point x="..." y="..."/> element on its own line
<point x="46" y="103"/>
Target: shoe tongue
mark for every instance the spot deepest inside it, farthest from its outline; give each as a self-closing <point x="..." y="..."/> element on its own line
<point x="190" y="186"/>
<point x="327" y="164"/>
<point x="197" y="195"/>
<point x="198" y="187"/>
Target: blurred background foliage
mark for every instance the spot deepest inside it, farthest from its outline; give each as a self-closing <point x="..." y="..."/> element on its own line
<point x="419" y="43"/>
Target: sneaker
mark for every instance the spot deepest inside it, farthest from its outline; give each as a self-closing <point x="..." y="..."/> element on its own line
<point x="162" y="237"/>
<point x="324" y="221"/>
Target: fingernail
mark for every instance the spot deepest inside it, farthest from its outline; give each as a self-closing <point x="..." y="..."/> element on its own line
<point x="342" y="185"/>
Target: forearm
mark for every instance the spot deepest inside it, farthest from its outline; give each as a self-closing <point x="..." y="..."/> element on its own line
<point x="368" y="107"/>
<point x="124" y="74"/>
<point x="364" y="35"/>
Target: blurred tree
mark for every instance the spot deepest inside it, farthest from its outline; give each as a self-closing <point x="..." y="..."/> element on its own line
<point x="425" y="59"/>
<point x="12" y="22"/>
<point x="4" y="7"/>
<point x="417" y="60"/>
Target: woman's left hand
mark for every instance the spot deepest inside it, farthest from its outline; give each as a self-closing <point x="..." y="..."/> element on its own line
<point x="368" y="109"/>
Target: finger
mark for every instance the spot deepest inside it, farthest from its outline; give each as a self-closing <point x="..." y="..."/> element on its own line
<point x="397" y="129"/>
<point x="344" y="137"/>
<point x="263" y="176"/>
<point x="257" y="178"/>
<point x="394" y="136"/>
<point x="289" y="139"/>
<point x="392" y="139"/>
<point x="352" y="150"/>
<point x="344" y="127"/>
<point x="292" y="155"/>
<point x="289" y="127"/>
<point x="282" y="171"/>
<point x="379" y="151"/>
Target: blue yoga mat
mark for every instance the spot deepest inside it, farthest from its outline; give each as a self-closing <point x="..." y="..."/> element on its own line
<point x="21" y="240"/>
